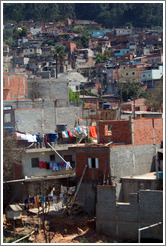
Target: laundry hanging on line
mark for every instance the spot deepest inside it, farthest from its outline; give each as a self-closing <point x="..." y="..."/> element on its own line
<point x="93" y="131"/>
<point x="29" y="137"/>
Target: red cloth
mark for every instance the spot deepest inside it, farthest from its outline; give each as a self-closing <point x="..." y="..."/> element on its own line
<point x="40" y="164"/>
<point x="44" y="164"/>
<point x="93" y="131"/>
<point x="70" y="135"/>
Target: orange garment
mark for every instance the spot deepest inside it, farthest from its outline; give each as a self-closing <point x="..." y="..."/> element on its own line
<point x="36" y="202"/>
<point x="93" y="131"/>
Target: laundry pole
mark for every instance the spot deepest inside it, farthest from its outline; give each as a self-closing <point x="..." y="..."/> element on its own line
<point x="59" y="155"/>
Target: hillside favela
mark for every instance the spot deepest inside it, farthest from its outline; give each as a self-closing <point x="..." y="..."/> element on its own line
<point x="82" y="123"/>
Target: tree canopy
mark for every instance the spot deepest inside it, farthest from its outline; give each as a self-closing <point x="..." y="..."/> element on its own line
<point x="130" y="90"/>
<point x="155" y="98"/>
<point x="108" y="14"/>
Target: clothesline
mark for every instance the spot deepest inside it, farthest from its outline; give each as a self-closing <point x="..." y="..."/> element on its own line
<point x="76" y="132"/>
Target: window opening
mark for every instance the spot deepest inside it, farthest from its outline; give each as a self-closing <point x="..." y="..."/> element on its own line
<point x="35" y="162"/>
<point x="52" y="157"/>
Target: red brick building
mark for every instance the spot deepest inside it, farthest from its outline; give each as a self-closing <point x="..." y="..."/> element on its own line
<point x="140" y="105"/>
<point x="122" y="133"/>
<point x="14" y="86"/>
<point x="142" y="131"/>
<point x="70" y="46"/>
<point x="97" y="159"/>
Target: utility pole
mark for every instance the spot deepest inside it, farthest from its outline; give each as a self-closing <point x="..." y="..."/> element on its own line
<point x="134" y="102"/>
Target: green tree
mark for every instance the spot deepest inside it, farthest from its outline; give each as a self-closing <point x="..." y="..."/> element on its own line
<point x="155" y="98"/>
<point x="99" y="58"/>
<point x="59" y="55"/>
<point x="130" y="90"/>
<point x="16" y="33"/>
<point x="24" y="32"/>
<point x="73" y="96"/>
<point x="84" y="39"/>
<point x="106" y="55"/>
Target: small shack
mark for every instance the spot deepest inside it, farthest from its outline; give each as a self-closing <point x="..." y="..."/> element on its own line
<point x="13" y="212"/>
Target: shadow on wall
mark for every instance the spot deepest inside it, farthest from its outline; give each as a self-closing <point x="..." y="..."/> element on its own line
<point x="153" y="166"/>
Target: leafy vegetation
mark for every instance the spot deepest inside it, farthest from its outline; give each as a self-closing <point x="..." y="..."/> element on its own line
<point x="108" y="14"/>
<point x="130" y="90"/>
<point x="84" y="39"/>
<point x="155" y="98"/>
<point x="10" y="36"/>
<point x="103" y="58"/>
<point x="73" y="96"/>
<point x="59" y="55"/>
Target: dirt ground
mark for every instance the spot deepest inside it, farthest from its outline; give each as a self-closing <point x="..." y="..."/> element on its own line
<point x="57" y="229"/>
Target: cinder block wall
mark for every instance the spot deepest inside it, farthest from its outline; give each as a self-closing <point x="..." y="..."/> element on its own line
<point x="132" y="160"/>
<point x="42" y="116"/>
<point x="124" y="219"/>
<point x="87" y="196"/>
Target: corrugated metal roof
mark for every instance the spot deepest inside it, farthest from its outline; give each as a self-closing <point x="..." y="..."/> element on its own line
<point x="15" y="207"/>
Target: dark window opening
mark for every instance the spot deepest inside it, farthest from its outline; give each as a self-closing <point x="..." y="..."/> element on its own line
<point x="93" y="163"/>
<point x="52" y="157"/>
<point x="35" y="162"/>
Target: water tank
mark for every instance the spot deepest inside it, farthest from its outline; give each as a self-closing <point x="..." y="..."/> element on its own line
<point x="61" y="128"/>
<point x="106" y="106"/>
<point x="160" y="175"/>
<point x="52" y="136"/>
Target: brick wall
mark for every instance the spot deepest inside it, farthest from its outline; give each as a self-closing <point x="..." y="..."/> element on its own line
<point x="82" y="155"/>
<point x="15" y="86"/>
<point x="143" y="131"/>
<point x="120" y="131"/>
<point x="91" y="103"/>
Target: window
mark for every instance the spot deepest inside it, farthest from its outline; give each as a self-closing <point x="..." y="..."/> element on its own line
<point x="7" y="117"/>
<point x="52" y="157"/>
<point x="133" y="73"/>
<point x="127" y="74"/>
<point x="93" y="163"/>
<point x="35" y="162"/>
<point x="3" y="82"/>
<point x="108" y="130"/>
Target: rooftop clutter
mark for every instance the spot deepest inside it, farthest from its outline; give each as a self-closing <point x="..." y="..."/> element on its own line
<point x="62" y="136"/>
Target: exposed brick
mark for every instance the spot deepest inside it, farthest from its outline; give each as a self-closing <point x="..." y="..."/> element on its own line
<point x="15" y="86"/>
<point x="82" y="156"/>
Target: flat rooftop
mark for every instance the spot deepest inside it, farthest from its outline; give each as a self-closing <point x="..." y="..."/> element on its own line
<point x="148" y="176"/>
<point x="58" y="147"/>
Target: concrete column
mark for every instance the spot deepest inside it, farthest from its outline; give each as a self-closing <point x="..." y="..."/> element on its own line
<point x="98" y="133"/>
<point x="132" y="129"/>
